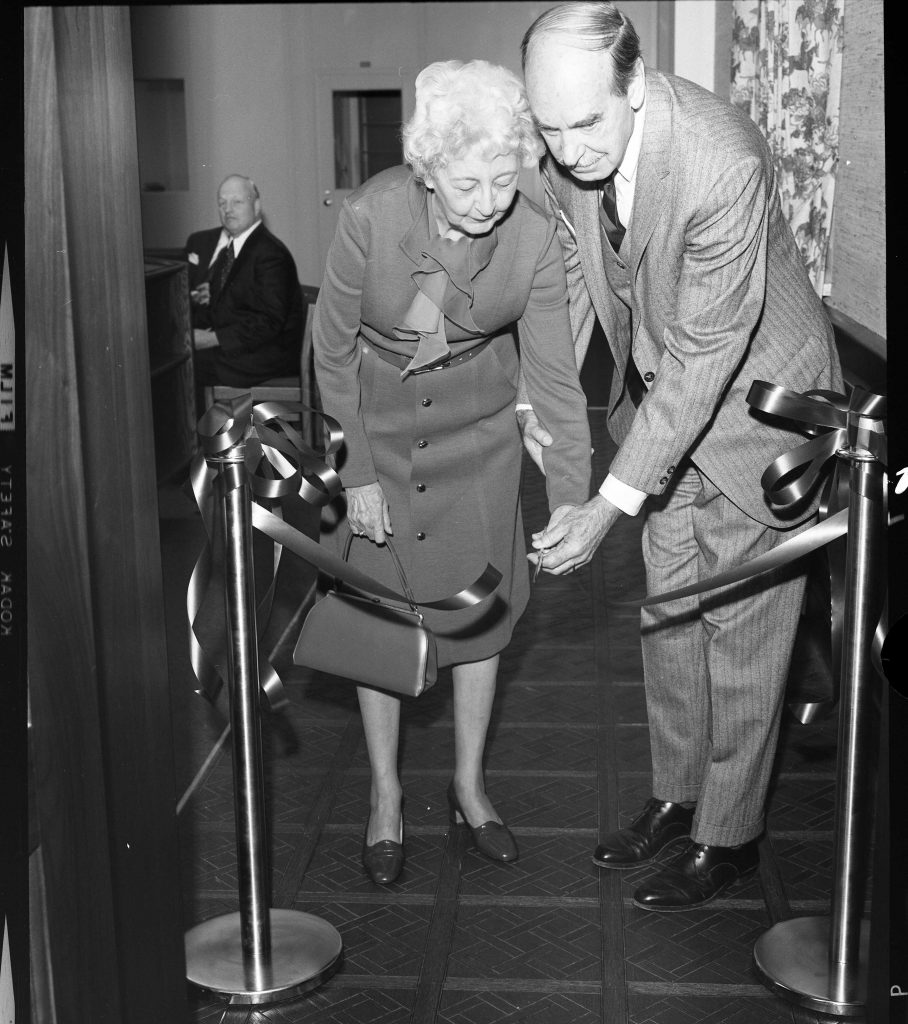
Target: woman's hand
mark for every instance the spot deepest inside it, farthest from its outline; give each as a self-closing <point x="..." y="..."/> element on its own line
<point x="368" y="512"/>
<point x="535" y="436"/>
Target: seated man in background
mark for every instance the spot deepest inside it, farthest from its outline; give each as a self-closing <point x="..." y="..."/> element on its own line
<point x="247" y="307"/>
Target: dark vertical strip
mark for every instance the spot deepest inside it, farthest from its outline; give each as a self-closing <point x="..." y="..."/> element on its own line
<point x="440" y="936"/>
<point x="725" y="21"/>
<point x="101" y="707"/>
<point x="611" y="909"/>
<point x="771" y="883"/>
<point x="292" y="880"/>
<point x="665" y="45"/>
<point x="74" y="904"/>
<point x="18" y="826"/>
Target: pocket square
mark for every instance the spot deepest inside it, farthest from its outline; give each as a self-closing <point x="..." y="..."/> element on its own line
<point x="194" y="258"/>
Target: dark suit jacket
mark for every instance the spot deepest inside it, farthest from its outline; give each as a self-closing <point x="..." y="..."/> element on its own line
<point x="719" y="297"/>
<point x="258" y="316"/>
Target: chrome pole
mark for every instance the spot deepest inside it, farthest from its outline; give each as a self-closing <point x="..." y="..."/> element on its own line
<point x="259" y="955"/>
<point x="863" y="586"/>
<point x="248" y="782"/>
<point x="821" y="962"/>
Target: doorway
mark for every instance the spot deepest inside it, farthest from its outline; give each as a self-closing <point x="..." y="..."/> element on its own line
<point x="359" y="120"/>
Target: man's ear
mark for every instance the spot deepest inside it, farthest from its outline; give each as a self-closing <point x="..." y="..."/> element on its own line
<point x="636" y="92"/>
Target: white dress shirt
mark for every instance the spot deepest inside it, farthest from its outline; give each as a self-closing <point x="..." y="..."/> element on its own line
<point x="628" y="499"/>
<point x="237" y="242"/>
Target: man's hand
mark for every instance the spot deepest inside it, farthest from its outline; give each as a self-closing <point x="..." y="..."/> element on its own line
<point x="555" y="517"/>
<point x="201" y="296"/>
<point x="535" y="436"/>
<point x="204" y="338"/>
<point x="573" y="534"/>
<point x="368" y="512"/>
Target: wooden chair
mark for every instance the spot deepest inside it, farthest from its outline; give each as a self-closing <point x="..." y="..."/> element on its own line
<point x="292" y="390"/>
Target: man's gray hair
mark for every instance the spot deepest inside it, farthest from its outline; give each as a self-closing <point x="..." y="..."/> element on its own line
<point x="592" y="25"/>
<point x="250" y="184"/>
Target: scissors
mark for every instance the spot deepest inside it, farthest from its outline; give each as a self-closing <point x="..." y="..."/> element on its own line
<point x="541" y="552"/>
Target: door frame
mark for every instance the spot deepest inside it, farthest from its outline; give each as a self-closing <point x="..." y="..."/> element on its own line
<point x="326" y="84"/>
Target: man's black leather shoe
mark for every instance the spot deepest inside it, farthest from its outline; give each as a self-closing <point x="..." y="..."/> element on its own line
<point x="660" y="823"/>
<point x="697" y="875"/>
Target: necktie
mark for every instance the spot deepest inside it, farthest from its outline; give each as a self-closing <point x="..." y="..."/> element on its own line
<point x="610" y="206"/>
<point x="226" y="264"/>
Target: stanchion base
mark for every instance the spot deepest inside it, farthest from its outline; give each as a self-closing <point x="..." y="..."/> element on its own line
<point x="305" y="951"/>
<point x="792" y="959"/>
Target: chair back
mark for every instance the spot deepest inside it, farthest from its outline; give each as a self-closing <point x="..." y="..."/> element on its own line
<point x="308" y="387"/>
<point x="292" y="390"/>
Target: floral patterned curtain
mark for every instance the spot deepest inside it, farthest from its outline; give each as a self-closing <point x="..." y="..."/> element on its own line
<point x="786" y="74"/>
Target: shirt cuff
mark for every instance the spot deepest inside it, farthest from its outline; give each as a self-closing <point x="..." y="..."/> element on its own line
<point x="627" y="498"/>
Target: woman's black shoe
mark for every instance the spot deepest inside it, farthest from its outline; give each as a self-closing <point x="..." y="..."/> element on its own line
<point x="492" y="839"/>
<point x="383" y="860"/>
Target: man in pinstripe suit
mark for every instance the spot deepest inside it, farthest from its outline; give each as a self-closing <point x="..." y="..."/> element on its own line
<point x="673" y="235"/>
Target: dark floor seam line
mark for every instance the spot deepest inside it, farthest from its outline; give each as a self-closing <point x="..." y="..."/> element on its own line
<point x="614" y="1005"/>
<point x="771" y="883"/>
<point x="440" y="936"/>
<point x="292" y="879"/>
<point x="522" y="985"/>
<point x="691" y="989"/>
<point x="778" y="908"/>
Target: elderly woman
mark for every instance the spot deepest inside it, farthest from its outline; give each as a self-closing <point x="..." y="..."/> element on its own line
<point x="430" y="271"/>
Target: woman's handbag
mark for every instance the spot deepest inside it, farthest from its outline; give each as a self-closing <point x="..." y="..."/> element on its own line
<point x="368" y="640"/>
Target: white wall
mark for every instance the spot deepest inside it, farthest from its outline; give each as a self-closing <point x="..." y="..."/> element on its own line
<point x="695" y="40"/>
<point x="236" y="63"/>
<point x="250" y="73"/>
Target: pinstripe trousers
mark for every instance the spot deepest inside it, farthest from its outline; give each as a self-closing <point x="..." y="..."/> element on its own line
<point x="715" y="667"/>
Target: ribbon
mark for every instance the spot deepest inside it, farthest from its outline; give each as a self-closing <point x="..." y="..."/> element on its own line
<point x="279" y="467"/>
<point x="855" y="423"/>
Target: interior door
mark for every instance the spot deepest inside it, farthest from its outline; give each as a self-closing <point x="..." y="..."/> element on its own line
<point x="359" y="115"/>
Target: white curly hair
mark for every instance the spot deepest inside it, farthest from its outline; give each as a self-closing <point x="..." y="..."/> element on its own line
<point x="462" y="105"/>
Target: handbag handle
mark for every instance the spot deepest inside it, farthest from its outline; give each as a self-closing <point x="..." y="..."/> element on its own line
<point x="405" y="586"/>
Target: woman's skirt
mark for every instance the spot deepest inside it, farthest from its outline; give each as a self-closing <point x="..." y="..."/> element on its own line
<point x="448" y="454"/>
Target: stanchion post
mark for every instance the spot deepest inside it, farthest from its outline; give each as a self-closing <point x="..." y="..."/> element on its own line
<point x="245" y="722"/>
<point x="821" y="962"/>
<point x="259" y="955"/>
<point x="856" y="767"/>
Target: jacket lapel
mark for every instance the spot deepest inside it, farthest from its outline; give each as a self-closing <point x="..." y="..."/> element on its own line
<point x="414" y="242"/>
<point x="652" y="169"/>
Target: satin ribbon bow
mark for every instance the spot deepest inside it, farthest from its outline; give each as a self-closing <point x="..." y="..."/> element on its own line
<point x="856" y="421"/>
<point x="280" y="468"/>
<point x="277" y="464"/>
